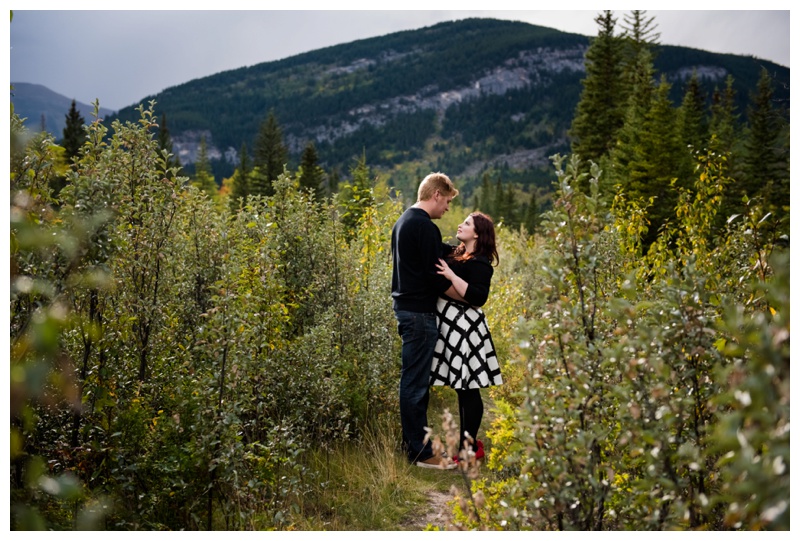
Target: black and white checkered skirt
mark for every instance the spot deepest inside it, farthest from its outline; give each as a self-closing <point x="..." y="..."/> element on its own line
<point x="464" y="357"/>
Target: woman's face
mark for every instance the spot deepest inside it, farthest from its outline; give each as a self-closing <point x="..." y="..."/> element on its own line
<point x="466" y="230"/>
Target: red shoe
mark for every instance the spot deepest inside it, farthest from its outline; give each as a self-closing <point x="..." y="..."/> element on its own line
<point x="479" y="454"/>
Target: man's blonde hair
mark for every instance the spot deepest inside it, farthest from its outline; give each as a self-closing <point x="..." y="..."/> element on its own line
<point x="433" y="182"/>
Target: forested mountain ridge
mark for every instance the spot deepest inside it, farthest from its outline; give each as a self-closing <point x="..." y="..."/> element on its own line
<point x="456" y="96"/>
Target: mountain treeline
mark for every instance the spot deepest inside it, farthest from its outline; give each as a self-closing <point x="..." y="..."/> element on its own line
<point x="376" y="97"/>
<point x="187" y="354"/>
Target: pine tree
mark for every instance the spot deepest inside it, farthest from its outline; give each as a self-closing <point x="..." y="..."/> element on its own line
<point x="765" y="171"/>
<point x="269" y="157"/>
<point x="354" y="197"/>
<point x="498" y="209"/>
<point x="640" y="35"/>
<point x="203" y="176"/>
<point x="666" y="158"/>
<point x="74" y="134"/>
<point x="241" y="179"/>
<point x="724" y="140"/>
<point x="628" y="151"/>
<point x="531" y="220"/>
<point x="693" y="122"/>
<point x="74" y="137"/>
<point x="311" y="174"/>
<point x="333" y="181"/>
<point x="650" y="155"/>
<point x="600" y="113"/>
<point x="165" y="143"/>
<point x="484" y="202"/>
<point x="724" y="122"/>
<point x="666" y="163"/>
<point x="510" y="208"/>
<point x="244" y="160"/>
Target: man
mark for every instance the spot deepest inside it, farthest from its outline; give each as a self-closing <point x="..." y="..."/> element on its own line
<point x="416" y="248"/>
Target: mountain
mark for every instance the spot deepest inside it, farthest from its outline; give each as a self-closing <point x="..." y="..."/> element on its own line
<point x="36" y="103"/>
<point x="457" y="97"/>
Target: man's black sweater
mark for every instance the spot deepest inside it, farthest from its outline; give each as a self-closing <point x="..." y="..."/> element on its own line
<point x="416" y="248"/>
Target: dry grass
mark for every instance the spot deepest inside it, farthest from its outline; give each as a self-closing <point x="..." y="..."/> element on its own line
<point x="369" y="485"/>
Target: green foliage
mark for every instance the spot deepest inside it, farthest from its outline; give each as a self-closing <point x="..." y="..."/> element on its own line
<point x="601" y="109"/>
<point x="73" y="133"/>
<point x="311" y="174"/>
<point x="692" y="121"/>
<point x="766" y="170"/>
<point x="165" y="143"/>
<point x="356" y="196"/>
<point x="173" y="361"/>
<point x="270" y="156"/>
<point x="646" y="154"/>
<point x="203" y="176"/>
<point x="752" y="434"/>
<point x="656" y="385"/>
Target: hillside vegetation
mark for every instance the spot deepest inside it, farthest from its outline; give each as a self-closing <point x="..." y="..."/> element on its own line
<point x="457" y="97"/>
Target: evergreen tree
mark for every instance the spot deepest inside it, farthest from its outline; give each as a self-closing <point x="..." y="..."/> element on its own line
<point x="74" y="137"/>
<point x="650" y="155"/>
<point x="484" y="202"/>
<point x="724" y="139"/>
<point x="666" y="163"/>
<point x="666" y="158"/>
<point x="333" y="181"/>
<point x="241" y="179"/>
<point x="203" y="176"/>
<point x="640" y="34"/>
<point x="693" y="122"/>
<point x="628" y="150"/>
<point x="244" y="160"/>
<point x="510" y="207"/>
<point x="356" y="196"/>
<point x="311" y="174"/>
<point x="165" y="143"/>
<point x="765" y="171"/>
<point x="74" y="133"/>
<point x="497" y="208"/>
<point x="724" y="122"/>
<point x="531" y="220"/>
<point x="270" y="155"/>
<point x="600" y="112"/>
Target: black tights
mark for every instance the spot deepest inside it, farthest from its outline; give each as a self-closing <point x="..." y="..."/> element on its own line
<point x="470" y="412"/>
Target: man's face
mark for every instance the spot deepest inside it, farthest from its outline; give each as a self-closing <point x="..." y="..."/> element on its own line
<point x="442" y="205"/>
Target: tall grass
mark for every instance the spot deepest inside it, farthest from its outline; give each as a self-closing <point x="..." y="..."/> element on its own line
<point x="368" y="484"/>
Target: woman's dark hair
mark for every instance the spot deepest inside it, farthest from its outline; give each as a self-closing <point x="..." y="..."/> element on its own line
<point x="485" y="244"/>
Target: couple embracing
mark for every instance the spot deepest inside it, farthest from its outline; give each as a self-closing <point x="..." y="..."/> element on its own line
<point x="437" y="292"/>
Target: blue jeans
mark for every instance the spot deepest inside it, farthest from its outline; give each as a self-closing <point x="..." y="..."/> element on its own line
<point x="419" y="333"/>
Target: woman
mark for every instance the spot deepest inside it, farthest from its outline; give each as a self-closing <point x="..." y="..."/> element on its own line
<point x="464" y="357"/>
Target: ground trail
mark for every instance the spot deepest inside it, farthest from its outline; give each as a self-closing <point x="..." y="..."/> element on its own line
<point x="436" y="513"/>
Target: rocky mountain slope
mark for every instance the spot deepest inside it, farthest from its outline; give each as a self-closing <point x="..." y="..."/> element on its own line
<point x="457" y="96"/>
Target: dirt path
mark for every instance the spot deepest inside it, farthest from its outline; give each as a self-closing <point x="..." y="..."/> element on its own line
<point x="437" y="512"/>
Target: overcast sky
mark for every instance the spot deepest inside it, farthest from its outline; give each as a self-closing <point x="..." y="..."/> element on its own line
<point x="121" y="57"/>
